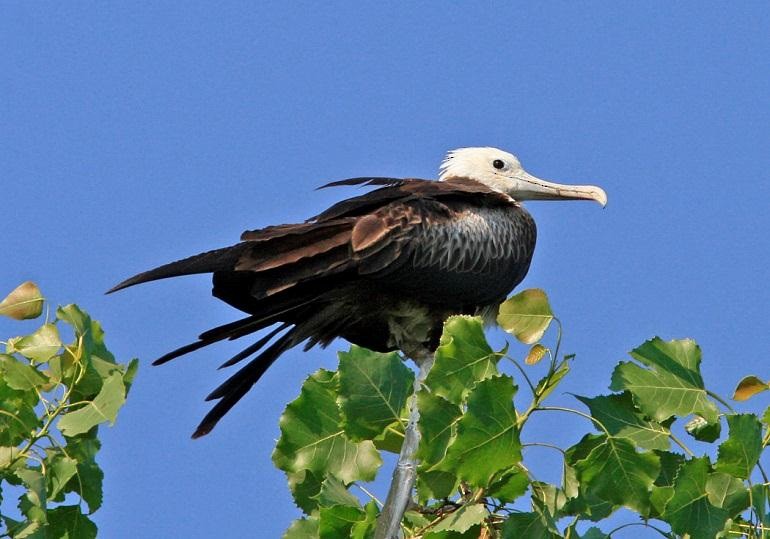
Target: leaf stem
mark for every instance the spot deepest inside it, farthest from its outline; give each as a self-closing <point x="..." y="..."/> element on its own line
<point x="558" y="345"/>
<point x="543" y="444"/>
<point x="720" y="400"/>
<point x="577" y="412"/>
<point x="521" y="370"/>
<point x="644" y="524"/>
<point x="680" y="443"/>
<point x="372" y="496"/>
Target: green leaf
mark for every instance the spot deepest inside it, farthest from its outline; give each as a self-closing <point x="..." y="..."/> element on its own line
<point x="415" y="519"/>
<point x="670" y="463"/>
<point x="103" y="408"/>
<point x="61" y="368"/>
<point x="9" y="457"/>
<point x="727" y="492"/>
<point x="487" y="438"/>
<point x="23" y="303"/>
<point x="130" y="374"/>
<point x="760" y="496"/>
<point x="548" y="383"/>
<point x="438" y="418"/>
<point x="689" y="509"/>
<point x="305" y="487"/>
<point x="68" y="522"/>
<point x="17" y="414"/>
<point x="392" y="437"/>
<point x="88" y="481"/>
<point x="33" y="502"/>
<point x="511" y="485"/>
<point x="463" y="358"/>
<point x="748" y="387"/>
<point x="373" y="391"/>
<point x="529" y="525"/>
<point x="592" y="533"/>
<point x="526" y="315"/>
<point x="589" y="507"/>
<point x="59" y="470"/>
<point x="334" y="492"/>
<point x="702" y="430"/>
<point x="364" y="529"/>
<point x="337" y="521"/>
<point x="39" y="346"/>
<point x="303" y="528"/>
<point x="20" y="375"/>
<point x="89" y="330"/>
<point x="549" y="497"/>
<point x="613" y="471"/>
<point x="435" y="485"/>
<point x="740" y="452"/>
<point x="659" y="498"/>
<point x="312" y="439"/>
<point x="671" y="383"/>
<point x="621" y="418"/>
<point x="461" y="520"/>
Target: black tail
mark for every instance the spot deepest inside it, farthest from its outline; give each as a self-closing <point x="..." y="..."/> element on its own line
<point x="235" y="387"/>
<point x="277" y="275"/>
<point x="208" y="262"/>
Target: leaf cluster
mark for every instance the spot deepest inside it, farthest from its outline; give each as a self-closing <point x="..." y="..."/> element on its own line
<point x="53" y="397"/>
<point x="472" y="477"/>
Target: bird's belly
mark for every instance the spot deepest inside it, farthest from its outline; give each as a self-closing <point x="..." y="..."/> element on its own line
<point x="459" y="290"/>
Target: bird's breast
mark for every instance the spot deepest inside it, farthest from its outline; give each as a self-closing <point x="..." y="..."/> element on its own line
<point x="473" y="257"/>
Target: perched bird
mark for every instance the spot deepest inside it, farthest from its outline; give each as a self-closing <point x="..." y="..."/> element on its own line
<point x="382" y="270"/>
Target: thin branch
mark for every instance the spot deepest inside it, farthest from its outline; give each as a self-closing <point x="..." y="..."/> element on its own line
<point x="405" y="473"/>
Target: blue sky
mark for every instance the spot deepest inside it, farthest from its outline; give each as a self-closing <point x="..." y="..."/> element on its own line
<point x="133" y="136"/>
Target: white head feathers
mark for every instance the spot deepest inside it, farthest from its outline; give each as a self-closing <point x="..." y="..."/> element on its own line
<point x="503" y="172"/>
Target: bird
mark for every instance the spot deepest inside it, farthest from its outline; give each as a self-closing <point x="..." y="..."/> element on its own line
<point x="382" y="270"/>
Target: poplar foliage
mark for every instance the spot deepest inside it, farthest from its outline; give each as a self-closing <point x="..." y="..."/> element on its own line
<point x="474" y="480"/>
<point x="54" y="394"/>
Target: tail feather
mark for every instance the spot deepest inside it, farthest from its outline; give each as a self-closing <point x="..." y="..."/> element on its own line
<point x="182" y="350"/>
<point x="243" y="354"/>
<point x="208" y="262"/>
<point x="279" y="275"/>
<point x="219" y="333"/>
<point x="235" y="387"/>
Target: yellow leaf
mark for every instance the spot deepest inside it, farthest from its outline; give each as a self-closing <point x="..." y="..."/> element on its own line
<point x="536" y="353"/>
<point x="23" y="303"/>
<point x="748" y="387"/>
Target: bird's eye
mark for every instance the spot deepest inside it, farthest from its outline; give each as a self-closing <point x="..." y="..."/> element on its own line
<point x="498" y="164"/>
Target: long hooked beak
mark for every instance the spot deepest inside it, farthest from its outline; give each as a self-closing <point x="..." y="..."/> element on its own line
<point x="529" y="187"/>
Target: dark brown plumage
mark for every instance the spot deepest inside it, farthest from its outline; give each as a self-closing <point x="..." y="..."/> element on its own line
<point x="382" y="270"/>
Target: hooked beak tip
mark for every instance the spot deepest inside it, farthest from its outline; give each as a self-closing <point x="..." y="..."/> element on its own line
<point x="601" y="197"/>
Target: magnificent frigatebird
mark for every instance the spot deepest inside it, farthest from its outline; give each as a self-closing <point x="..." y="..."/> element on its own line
<point x="382" y="270"/>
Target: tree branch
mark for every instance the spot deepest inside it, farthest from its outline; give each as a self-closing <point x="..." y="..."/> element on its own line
<point x="405" y="473"/>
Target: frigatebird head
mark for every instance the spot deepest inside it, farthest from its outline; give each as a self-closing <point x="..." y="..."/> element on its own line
<point x="503" y="172"/>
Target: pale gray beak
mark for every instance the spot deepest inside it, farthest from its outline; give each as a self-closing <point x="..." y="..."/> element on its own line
<point x="529" y="187"/>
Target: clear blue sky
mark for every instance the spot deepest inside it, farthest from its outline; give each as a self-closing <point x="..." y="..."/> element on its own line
<point x="133" y="136"/>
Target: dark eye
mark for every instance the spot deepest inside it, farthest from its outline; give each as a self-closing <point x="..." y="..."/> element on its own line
<point x="498" y="164"/>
